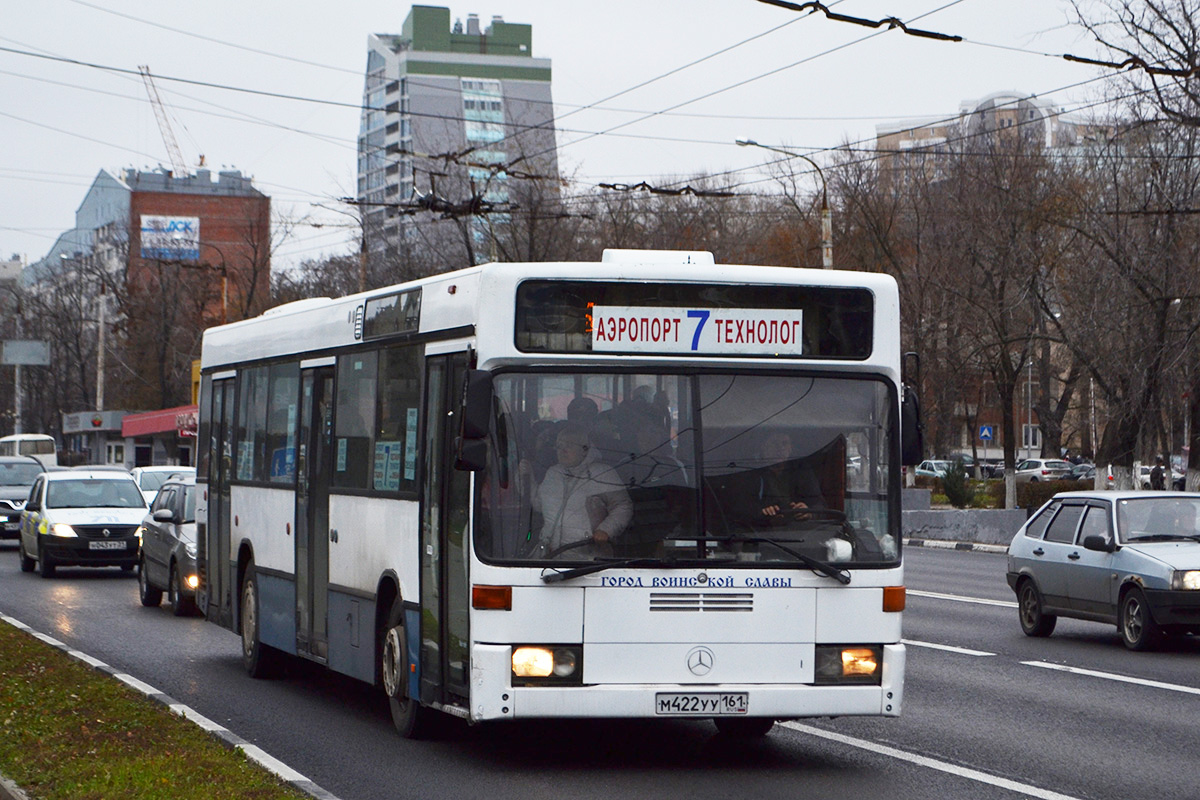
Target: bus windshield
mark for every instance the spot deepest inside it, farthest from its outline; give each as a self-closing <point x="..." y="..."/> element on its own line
<point x="745" y="469"/>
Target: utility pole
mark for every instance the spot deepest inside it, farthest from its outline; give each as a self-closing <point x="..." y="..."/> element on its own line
<point x="826" y="214"/>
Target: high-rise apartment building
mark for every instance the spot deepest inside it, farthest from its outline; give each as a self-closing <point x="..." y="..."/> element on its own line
<point x="451" y="115"/>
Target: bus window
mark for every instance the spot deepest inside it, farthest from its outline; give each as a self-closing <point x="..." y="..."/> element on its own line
<point x="354" y="421"/>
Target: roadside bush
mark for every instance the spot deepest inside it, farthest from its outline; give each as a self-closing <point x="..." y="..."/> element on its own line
<point x="1034" y="494"/>
<point x="959" y="491"/>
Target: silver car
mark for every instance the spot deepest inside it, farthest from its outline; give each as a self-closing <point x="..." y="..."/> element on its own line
<point x="168" y="554"/>
<point x="1032" y="470"/>
<point x="1129" y="559"/>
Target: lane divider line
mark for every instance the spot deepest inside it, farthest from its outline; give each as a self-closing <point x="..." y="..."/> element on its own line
<point x="1112" y="676"/>
<point x="223" y="734"/>
<point x="983" y="601"/>
<point x="930" y="763"/>
<point x="948" y="648"/>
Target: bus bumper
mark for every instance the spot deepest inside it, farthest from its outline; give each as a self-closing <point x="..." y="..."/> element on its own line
<point x="494" y="697"/>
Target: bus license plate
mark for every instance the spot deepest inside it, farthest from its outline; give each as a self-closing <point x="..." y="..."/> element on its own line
<point x="704" y="704"/>
<point x="103" y="544"/>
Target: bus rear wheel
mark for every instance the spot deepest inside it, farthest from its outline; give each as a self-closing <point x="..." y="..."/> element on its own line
<point x="410" y="719"/>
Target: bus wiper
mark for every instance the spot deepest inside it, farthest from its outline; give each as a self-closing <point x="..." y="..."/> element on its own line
<point x="567" y="574"/>
<point x="840" y="575"/>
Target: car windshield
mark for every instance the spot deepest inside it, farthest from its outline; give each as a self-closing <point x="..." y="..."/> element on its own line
<point x="1157" y="518"/>
<point x="664" y="468"/>
<point x="151" y="481"/>
<point x="94" y="493"/>
<point x="19" y="474"/>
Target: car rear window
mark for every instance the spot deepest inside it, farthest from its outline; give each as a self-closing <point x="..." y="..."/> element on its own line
<point x="1064" y="525"/>
<point x="1037" y="525"/>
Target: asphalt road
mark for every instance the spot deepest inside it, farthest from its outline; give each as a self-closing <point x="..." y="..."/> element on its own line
<point x="988" y="712"/>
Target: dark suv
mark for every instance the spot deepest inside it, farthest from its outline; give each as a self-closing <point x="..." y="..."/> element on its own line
<point x="17" y="474"/>
<point x="168" y="557"/>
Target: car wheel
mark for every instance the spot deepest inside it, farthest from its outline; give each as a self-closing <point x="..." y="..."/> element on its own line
<point x="260" y="660"/>
<point x="409" y="718"/>
<point x="1034" y="619"/>
<point x="181" y="605"/>
<point x="1139" y="631"/>
<point x="150" y="595"/>
<point x="743" y="727"/>
<point x="1033" y="480"/>
<point x="27" y="563"/>
<point x="46" y="566"/>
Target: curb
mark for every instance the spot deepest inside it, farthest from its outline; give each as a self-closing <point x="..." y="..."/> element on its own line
<point x="941" y="544"/>
<point x="10" y="791"/>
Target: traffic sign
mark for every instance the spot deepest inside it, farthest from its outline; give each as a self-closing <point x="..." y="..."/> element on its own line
<point x="985" y="432"/>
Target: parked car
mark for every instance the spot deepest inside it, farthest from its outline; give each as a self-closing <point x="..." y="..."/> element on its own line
<point x="1178" y="479"/>
<point x="1042" y="469"/>
<point x="1129" y="559"/>
<point x="932" y="468"/>
<point x="81" y="517"/>
<point x="168" y="556"/>
<point x="151" y="478"/>
<point x="17" y="474"/>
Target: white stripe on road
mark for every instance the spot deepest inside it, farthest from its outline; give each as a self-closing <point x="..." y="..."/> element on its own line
<point x="1110" y="676"/>
<point x="963" y="599"/>
<point x="948" y="648"/>
<point x="930" y="763"/>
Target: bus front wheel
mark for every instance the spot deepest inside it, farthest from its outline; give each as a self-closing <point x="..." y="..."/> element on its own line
<point x="260" y="660"/>
<point x="410" y="719"/>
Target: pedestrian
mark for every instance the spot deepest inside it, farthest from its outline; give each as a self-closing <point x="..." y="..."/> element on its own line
<point x="1157" y="476"/>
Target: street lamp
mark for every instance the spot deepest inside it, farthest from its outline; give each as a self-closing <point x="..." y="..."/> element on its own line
<point x="826" y="214"/>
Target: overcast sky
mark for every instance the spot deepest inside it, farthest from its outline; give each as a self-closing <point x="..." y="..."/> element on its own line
<point x="784" y="78"/>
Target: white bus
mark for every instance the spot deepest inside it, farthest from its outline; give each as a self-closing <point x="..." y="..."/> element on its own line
<point x="38" y="445"/>
<point x="646" y="487"/>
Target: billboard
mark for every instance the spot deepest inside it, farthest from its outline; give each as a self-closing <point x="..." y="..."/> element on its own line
<point x="34" y="353"/>
<point x="171" y="238"/>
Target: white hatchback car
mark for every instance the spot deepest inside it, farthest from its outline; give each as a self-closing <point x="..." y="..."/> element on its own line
<point x="149" y="479"/>
<point x="1126" y="558"/>
<point x="83" y="518"/>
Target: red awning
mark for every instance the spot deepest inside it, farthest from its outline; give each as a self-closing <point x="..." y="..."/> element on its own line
<point x="149" y="423"/>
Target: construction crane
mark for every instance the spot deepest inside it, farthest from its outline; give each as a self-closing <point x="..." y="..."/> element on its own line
<point x="164" y="125"/>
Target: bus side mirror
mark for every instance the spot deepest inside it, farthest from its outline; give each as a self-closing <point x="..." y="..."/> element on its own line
<point x="477" y="404"/>
<point x="912" y="430"/>
<point x="470" y="449"/>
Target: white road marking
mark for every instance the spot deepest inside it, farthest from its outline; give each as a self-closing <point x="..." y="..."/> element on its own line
<point x="948" y="648"/>
<point x="930" y="763"/>
<point x="1111" y="676"/>
<point x="963" y="599"/>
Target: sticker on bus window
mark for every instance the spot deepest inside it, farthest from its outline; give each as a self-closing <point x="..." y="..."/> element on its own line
<point x="410" y="446"/>
<point x="745" y="331"/>
<point x="387" y="466"/>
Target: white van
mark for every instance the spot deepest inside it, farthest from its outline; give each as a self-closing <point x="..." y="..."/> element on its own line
<point x="38" y="445"/>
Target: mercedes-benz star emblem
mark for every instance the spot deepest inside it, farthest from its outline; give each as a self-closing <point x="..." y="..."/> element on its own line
<point x="700" y="661"/>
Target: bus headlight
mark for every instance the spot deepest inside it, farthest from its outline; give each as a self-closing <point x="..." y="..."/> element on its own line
<point x="535" y="664"/>
<point x="861" y="664"/>
<point x="63" y="529"/>
<point x="1186" y="580"/>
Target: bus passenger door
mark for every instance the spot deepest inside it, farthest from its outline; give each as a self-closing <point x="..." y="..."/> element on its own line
<point x="312" y="510"/>
<point x="219" y="604"/>
<point x="445" y="504"/>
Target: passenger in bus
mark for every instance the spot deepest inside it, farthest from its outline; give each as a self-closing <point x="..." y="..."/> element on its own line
<point x="778" y="492"/>
<point x="582" y="500"/>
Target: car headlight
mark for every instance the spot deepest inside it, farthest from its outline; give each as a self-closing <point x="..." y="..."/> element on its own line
<point x="140" y="532"/>
<point x="547" y="664"/>
<point x="62" y="529"/>
<point x="1188" y="579"/>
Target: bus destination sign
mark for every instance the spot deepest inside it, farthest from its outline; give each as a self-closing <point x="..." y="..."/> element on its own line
<point x="713" y="331"/>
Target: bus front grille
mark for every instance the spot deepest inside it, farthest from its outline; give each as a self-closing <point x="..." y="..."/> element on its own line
<point x="701" y="601"/>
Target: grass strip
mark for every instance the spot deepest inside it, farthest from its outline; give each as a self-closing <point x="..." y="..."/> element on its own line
<point x="70" y="732"/>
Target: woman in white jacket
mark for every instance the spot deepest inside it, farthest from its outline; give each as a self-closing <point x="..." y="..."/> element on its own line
<point x="581" y="499"/>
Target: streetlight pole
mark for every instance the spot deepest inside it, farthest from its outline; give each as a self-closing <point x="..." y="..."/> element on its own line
<point x="826" y="214"/>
